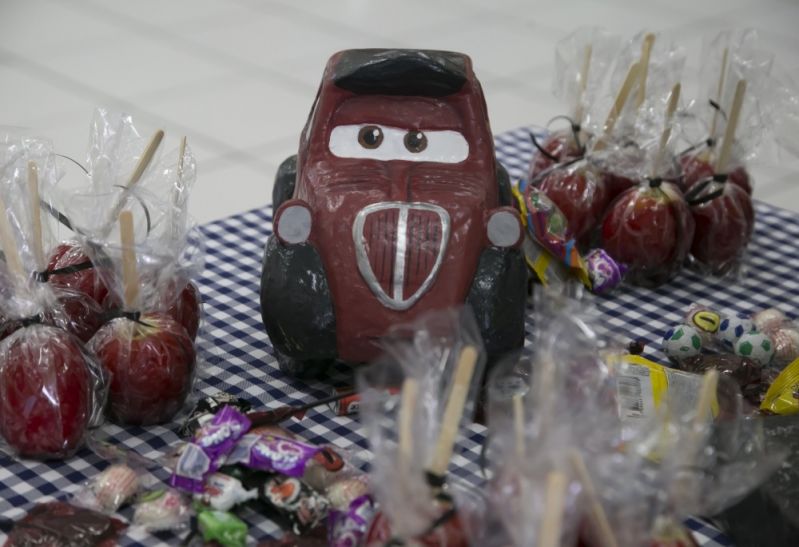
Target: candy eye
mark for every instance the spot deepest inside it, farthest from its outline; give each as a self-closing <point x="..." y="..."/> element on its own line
<point x="370" y="137"/>
<point x="415" y="141"/>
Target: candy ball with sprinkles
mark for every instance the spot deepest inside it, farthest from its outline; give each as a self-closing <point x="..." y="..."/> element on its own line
<point x="682" y="341"/>
<point x="733" y="327"/>
<point x="757" y="346"/>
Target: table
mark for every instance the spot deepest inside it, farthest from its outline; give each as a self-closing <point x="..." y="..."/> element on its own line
<point x="237" y="357"/>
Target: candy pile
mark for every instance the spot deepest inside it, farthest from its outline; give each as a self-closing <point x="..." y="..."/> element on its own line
<point x="755" y="350"/>
<point x="620" y="187"/>
<point x="106" y="322"/>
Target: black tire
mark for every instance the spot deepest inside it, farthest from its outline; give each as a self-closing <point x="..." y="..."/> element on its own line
<point x="285" y="180"/>
<point x="297" y="308"/>
<point x="498" y="298"/>
<point x="503" y="182"/>
<point x="308" y="369"/>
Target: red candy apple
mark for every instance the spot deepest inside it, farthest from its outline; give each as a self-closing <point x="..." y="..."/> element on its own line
<point x="86" y="281"/>
<point x="580" y="193"/>
<point x="46" y="392"/>
<point x="561" y="145"/>
<point x="695" y="169"/>
<point x="649" y="228"/>
<point x="187" y="308"/>
<point x="151" y="361"/>
<point x="724" y="227"/>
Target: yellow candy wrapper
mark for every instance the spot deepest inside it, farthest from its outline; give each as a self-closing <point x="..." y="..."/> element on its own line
<point x="783" y="395"/>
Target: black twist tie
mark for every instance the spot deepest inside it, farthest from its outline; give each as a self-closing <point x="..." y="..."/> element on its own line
<point x="575" y="129"/>
<point x="541" y="149"/>
<point x="694" y="197"/>
<point x="58" y="215"/>
<point x="716" y="106"/>
<point x="435" y="480"/>
<point x="76" y="162"/>
<point x="134" y="316"/>
<point x="655" y="182"/>
<point x="37" y="319"/>
<point x="143" y="206"/>
<point x="44" y="276"/>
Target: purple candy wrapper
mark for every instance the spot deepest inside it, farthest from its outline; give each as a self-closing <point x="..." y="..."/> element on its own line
<point x="279" y="455"/>
<point x="605" y="273"/>
<point x="209" y="448"/>
<point x="348" y="528"/>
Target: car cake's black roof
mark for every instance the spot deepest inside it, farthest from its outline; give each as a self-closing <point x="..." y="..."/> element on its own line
<point x="428" y="73"/>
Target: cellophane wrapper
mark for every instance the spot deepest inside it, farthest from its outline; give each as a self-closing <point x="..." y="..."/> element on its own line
<point x="427" y="352"/>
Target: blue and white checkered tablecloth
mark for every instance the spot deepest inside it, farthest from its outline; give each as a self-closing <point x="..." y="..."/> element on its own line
<point x="239" y="361"/>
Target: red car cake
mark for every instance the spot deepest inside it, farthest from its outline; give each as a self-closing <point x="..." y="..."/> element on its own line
<point x="394" y="206"/>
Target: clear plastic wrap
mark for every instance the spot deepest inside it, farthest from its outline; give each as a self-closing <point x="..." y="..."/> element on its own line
<point x="151" y="355"/>
<point x="53" y="390"/>
<point x="438" y="363"/>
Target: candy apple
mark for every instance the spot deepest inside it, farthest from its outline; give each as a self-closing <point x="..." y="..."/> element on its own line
<point x="724" y="227"/>
<point x="151" y="360"/>
<point x="560" y="145"/>
<point x="580" y="193"/>
<point x="46" y="393"/>
<point x="695" y="169"/>
<point x="86" y="280"/>
<point x="650" y="229"/>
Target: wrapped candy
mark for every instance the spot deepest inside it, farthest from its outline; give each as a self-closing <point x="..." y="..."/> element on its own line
<point x="109" y="490"/>
<point x="223" y="528"/>
<point x="162" y="509"/>
<point x="781" y="397"/>
<point x="437" y="363"/>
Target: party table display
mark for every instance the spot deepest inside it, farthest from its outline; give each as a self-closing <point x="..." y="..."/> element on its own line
<point x="623" y="416"/>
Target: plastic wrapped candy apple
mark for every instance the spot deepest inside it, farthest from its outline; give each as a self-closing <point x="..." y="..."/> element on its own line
<point x="51" y="388"/>
<point x="581" y="61"/>
<point x="150" y="355"/>
<point x="650" y="229"/>
<point x="722" y="211"/>
<point x="413" y="433"/>
<point x="579" y="192"/>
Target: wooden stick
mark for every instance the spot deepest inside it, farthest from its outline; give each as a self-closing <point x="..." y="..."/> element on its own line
<point x="13" y="260"/>
<point x="732" y="125"/>
<point x="719" y="91"/>
<point x="579" y="109"/>
<point x="518" y="425"/>
<point x="710" y="384"/>
<point x="552" y="521"/>
<point x="130" y="277"/>
<point x="36" y="215"/>
<point x="545" y="396"/>
<point x="410" y="392"/>
<point x="646" y="52"/>
<point x="618" y="105"/>
<point x="135" y="177"/>
<point x="598" y="515"/>
<point x="177" y="190"/>
<point x="181" y="156"/>
<point x="674" y="99"/>
<point x="454" y="410"/>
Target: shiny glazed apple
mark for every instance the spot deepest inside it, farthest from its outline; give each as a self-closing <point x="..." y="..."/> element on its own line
<point x="151" y="361"/>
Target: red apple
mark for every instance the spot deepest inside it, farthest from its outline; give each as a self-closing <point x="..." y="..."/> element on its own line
<point x="86" y="281"/>
<point x="580" y="193"/>
<point x="649" y="228"/>
<point x="45" y="392"/>
<point x="151" y="362"/>
<point x="724" y="227"/>
<point x="186" y="309"/>
<point x="695" y="169"/>
<point x="561" y="145"/>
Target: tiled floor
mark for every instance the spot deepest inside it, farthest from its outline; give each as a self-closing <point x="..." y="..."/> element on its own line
<point x="238" y="76"/>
